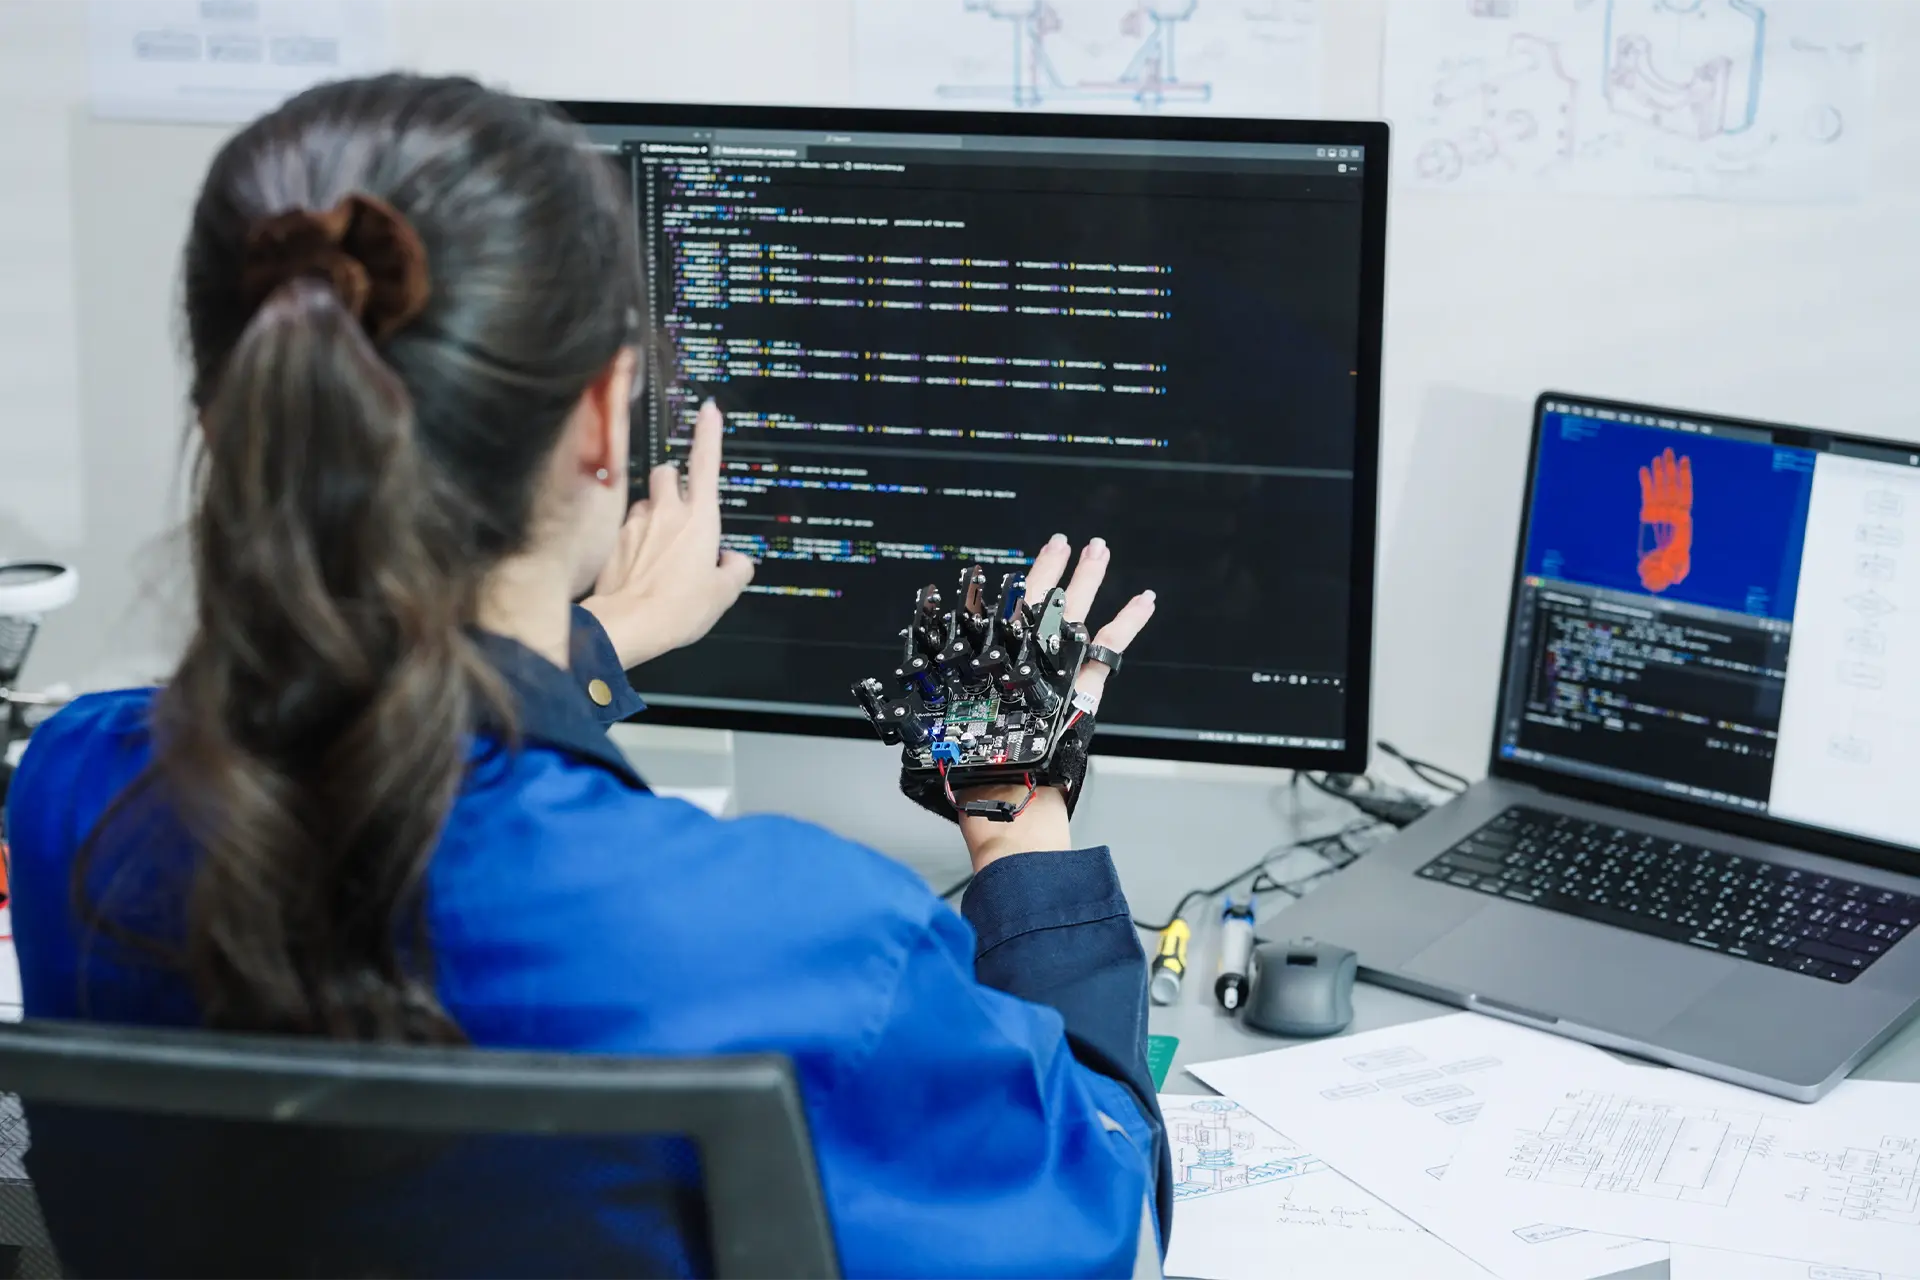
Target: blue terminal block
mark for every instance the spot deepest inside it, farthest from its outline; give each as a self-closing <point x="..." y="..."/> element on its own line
<point x="946" y="751"/>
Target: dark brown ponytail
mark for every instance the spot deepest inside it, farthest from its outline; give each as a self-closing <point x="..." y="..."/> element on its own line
<point x="357" y="479"/>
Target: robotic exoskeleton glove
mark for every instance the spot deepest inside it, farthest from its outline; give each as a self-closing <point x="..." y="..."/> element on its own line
<point x="984" y="696"/>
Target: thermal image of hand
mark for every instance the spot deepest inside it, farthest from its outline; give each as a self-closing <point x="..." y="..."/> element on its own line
<point x="1666" y="508"/>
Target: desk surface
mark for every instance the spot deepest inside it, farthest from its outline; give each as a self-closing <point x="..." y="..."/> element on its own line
<point x="1213" y="846"/>
<point x="1171" y="828"/>
<point x="1206" y="1033"/>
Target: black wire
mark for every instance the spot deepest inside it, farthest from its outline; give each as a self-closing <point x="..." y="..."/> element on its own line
<point x="1259" y="871"/>
<point x="1432" y="774"/>
<point x="1191" y="894"/>
<point x="956" y="889"/>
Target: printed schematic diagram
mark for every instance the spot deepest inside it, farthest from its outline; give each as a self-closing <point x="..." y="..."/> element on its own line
<point x="1612" y="1143"/>
<point x="1862" y="1184"/>
<point x="1150" y="78"/>
<point x="1219" y="1146"/>
<point x="1660" y="1155"/>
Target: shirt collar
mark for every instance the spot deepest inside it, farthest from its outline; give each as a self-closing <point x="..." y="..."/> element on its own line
<point x="553" y="709"/>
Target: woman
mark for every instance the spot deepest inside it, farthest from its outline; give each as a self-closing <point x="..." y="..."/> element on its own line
<point x="376" y="801"/>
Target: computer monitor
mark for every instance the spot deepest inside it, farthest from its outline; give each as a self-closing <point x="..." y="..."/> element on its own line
<point x="938" y="338"/>
<point x="1720" y="613"/>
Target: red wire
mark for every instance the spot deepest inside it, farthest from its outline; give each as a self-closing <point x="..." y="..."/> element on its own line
<point x="947" y="786"/>
<point x="1029" y="800"/>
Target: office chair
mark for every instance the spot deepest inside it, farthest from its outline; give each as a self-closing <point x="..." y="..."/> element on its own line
<point x="161" y="1152"/>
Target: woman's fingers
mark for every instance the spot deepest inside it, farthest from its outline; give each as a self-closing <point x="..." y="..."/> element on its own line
<point x="634" y="530"/>
<point x="1116" y="635"/>
<point x="1086" y="580"/>
<point x="736" y="569"/>
<point x="703" y="459"/>
<point x="1047" y="568"/>
<point x="626" y="551"/>
<point x="663" y="487"/>
<point x="1127" y="624"/>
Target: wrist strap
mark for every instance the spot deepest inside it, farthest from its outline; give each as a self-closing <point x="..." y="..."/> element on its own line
<point x="1066" y="769"/>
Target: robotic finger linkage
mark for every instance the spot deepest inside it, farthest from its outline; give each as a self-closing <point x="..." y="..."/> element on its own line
<point x="984" y="696"/>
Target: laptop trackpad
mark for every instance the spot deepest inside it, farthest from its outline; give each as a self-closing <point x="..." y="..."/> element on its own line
<point x="1588" y="973"/>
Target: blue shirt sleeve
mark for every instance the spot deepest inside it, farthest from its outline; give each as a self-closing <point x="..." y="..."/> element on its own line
<point x="1026" y="1160"/>
<point x="1055" y="929"/>
<point x="592" y="657"/>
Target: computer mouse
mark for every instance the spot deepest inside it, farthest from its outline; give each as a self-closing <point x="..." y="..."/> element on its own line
<point x="1301" y="988"/>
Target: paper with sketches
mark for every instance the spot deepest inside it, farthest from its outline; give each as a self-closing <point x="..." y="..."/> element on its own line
<point x="1388" y="1109"/>
<point x="1252" y="1203"/>
<point x="225" y="61"/>
<point x="1205" y="57"/>
<point x="1668" y="1155"/>
<point x="1759" y="100"/>
<point x="13" y="1139"/>
<point x="1690" y="1262"/>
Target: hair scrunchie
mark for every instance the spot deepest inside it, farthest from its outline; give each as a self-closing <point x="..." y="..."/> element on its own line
<point x="363" y="247"/>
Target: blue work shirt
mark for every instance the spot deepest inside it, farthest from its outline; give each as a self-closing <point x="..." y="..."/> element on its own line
<point x="977" y="1088"/>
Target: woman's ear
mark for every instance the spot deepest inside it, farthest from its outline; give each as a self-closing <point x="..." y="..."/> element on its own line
<point x="602" y="420"/>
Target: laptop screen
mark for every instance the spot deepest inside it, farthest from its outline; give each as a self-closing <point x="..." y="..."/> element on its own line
<point x="1721" y="612"/>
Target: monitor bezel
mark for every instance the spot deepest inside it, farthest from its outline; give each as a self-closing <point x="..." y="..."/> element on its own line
<point x="1373" y="136"/>
<point x="1699" y="813"/>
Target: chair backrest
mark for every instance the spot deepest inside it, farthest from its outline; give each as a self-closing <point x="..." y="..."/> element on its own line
<point x="182" y="1152"/>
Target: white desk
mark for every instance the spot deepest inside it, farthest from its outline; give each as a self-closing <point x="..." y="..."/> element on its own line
<point x="1155" y="881"/>
<point x="1171" y="829"/>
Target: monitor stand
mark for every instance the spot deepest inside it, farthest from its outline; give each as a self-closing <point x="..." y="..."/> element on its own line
<point x="1171" y="826"/>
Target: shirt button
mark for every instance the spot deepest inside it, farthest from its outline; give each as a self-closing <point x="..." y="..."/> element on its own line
<point x="597" y="690"/>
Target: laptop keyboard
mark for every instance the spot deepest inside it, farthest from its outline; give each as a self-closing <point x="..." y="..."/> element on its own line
<point x="1818" y="925"/>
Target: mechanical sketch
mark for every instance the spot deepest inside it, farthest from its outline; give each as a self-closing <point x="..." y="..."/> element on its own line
<point x="1230" y="57"/>
<point x="1727" y="99"/>
<point x="1150" y="78"/>
<point x="1219" y="1146"/>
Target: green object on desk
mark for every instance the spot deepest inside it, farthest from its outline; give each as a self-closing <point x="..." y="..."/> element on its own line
<point x="1160" y="1057"/>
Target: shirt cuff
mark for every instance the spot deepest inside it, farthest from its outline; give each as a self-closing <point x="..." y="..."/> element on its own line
<point x="1027" y="892"/>
<point x="593" y="659"/>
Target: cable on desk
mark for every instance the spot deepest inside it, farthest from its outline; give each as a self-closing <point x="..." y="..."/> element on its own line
<point x="1433" y="775"/>
<point x="958" y="888"/>
<point x="1258" y="871"/>
<point x="1392" y="806"/>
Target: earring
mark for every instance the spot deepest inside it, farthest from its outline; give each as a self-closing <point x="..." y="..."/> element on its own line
<point x="601" y="474"/>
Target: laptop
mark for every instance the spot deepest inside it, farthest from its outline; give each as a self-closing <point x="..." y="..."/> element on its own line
<point x="1700" y="838"/>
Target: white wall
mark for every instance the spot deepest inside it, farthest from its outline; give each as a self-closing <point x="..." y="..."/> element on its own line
<point x="1802" y="313"/>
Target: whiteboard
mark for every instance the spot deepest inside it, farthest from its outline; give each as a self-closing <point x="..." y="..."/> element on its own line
<point x="1804" y="312"/>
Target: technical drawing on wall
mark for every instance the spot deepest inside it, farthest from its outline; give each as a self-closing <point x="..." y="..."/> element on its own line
<point x="1218" y="1146"/>
<point x="1730" y="99"/>
<point x="225" y="63"/>
<point x="1667" y="1155"/>
<point x="1227" y="57"/>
